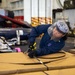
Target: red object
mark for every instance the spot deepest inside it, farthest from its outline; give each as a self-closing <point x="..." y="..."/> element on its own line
<point x="19" y="23"/>
<point x="19" y="18"/>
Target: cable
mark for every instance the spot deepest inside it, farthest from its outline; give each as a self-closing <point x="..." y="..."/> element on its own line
<point x="41" y="62"/>
<point x="72" y="51"/>
<point x="45" y="72"/>
<point x="62" y="54"/>
<point x="60" y="3"/>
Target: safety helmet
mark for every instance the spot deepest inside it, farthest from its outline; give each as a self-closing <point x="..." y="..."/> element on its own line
<point x="61" y="26"/>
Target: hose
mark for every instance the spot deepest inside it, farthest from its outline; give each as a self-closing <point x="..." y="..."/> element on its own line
<point x="62" y="54"/>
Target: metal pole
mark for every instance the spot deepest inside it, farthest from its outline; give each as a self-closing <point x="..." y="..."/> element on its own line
<point x="18" y="37"/>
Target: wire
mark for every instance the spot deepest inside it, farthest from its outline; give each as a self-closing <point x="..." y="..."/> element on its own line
<point x="41" y="62"/>
<point x="62" y="54"/>
<point x="60" y="3"/>
<point x="45" y="72"/>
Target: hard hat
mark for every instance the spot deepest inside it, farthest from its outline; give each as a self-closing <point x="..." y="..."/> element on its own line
<point x="61" y="26"/>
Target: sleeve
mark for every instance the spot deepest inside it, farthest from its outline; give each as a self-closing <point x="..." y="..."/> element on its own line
<point x="36" y="31"/>
<point x="49" y="49"/>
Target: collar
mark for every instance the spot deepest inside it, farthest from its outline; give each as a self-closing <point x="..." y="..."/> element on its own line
<point x="56" y="40"/>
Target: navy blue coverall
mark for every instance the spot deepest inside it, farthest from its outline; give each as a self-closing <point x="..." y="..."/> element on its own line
<point x="47" y="46"/>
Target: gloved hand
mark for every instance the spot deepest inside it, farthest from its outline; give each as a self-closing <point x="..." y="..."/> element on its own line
<point x="32" y="46"/>
<point x="32" y="54"/>
<point x="29" y="50"/>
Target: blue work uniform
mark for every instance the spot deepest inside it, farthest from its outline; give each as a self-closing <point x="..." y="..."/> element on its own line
<point x="47" y="46"/>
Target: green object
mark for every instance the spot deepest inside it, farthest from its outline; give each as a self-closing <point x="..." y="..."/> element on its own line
<point x="33" y="46"/>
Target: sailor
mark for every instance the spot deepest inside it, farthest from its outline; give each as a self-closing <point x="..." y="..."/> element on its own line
<point x="52" y="41"/>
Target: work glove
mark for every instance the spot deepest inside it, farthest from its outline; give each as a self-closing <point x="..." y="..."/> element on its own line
<point x="32" y="54"/>
<point x="32" y="47"/>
